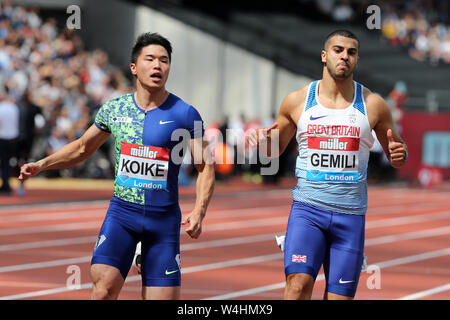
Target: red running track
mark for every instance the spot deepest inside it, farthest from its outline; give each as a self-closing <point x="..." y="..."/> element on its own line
<point x="43" y="247"/>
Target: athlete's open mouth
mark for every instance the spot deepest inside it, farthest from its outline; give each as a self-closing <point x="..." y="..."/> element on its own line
<point x="156" y="75"/>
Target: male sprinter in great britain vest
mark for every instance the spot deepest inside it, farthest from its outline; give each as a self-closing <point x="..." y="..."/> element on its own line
<point x="332" y="120"/>
<point x="145" y="206"/>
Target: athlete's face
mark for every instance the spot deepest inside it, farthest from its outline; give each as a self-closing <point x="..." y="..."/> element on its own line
<point x="152" y="67"/>
<point x="340" y="56"/>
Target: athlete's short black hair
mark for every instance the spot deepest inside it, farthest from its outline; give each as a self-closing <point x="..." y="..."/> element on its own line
<point x="341" y="32"/>
<point x="147" y="39"/>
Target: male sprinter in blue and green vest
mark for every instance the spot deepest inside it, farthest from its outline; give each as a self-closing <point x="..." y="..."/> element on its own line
<point x="145" y="205"/>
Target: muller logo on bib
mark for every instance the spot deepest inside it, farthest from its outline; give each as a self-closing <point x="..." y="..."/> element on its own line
<point x="143" y="167"/>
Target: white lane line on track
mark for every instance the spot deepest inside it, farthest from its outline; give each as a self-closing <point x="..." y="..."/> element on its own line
<point x="97" y="225"/>
<point x="205" y="267"/>
<point x="251" y="195"/>
<point x="235" y="225"/>
<point x="408" y="236"/>
<point x="63" y="215"/>
<point x="47" y="243"/>
<point x="54" y="216"/>
<point x="184" y="247"/>
<point x="45" y="264"/>
<point x="398" y="208"/>
<point x="389" y="222"/>
<point x="233" y="263"/>
<point x="230" y="241"/>
<point x="426" y="293"/>
<point x="51" y="228"/>
<point x="43" y="206"/>
<point x="321" y="277"/>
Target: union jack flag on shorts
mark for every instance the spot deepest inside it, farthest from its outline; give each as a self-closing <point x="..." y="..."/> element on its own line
<point x="298" y="258"/>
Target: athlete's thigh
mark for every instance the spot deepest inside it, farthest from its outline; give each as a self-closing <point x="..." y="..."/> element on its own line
<point x="306" y="242"/>
<point x="344" y="262"/>
<point x="161" y="248"/>
<point x="117" y="238"/>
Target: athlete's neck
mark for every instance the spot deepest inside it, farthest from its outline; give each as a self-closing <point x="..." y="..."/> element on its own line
<point x="148" y="100"/>
<point x="336" y="89"/>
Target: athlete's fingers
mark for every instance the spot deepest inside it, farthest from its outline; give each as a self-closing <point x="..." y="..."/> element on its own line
<point x="195" y="226"/>
<point x="28" y="170"/>
<point x="194" y="232"/>
<point x="24" y="173"/>
<point x="392" y="144"/>
<point x="273" y="126"/>
<point x="389" y="136"/>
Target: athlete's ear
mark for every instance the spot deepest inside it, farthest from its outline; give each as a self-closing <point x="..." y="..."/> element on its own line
<point x="133" y="68"/>
<point x="323" y="54"/>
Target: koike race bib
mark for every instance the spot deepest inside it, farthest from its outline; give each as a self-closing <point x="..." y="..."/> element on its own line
<point x="143" y="167"/>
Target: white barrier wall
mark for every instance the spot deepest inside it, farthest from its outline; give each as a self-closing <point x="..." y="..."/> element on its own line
<point x="218" y="78"/>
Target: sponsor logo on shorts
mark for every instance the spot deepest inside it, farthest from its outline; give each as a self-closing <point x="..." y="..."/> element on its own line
<point x="345" y="281"/>
<point x="100" y="240"/>
<point x="170" y="272"/>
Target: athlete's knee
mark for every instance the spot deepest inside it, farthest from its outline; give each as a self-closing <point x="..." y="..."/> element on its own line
<point x="106" y="283"/>
<point x="101" y="292"/>
<point x="299" y="286"/>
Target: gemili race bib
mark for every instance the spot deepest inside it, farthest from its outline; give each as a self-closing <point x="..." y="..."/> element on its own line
<point x="143" y="167"/>
<point x="333" y="158"/>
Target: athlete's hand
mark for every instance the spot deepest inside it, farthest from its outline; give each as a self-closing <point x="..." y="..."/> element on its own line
<point x="194" y="220"/>
<point x="29" y="170"/>
<point x="396" y="151"/>
<point x="256" y="136"/>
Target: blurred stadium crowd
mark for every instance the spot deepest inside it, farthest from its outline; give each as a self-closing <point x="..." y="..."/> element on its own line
<point x="421" y="27"/>
<point x="51" y="88"/>
<point x="56" y="85"/>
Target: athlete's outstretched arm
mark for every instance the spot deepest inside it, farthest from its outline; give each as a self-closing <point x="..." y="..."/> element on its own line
<point x="393" y="145"/>
<point x="284" y="127"/>
<point x="204" y="186"/>
<point x="69" y="155"/>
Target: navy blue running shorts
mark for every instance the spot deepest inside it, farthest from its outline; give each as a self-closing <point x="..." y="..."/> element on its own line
<point x="158" y="229"/>
<point x="318" y="237"/>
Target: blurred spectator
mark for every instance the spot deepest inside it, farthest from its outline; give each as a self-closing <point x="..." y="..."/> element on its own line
<point x="342" y="12"/>
<point x="422" y="27"/>
<point x="27" y="125"/>
<point x="56" y="141"/>
<point x="9" y="132"/>
<point x="396" y="102"/>
<point x="69" y="83"/>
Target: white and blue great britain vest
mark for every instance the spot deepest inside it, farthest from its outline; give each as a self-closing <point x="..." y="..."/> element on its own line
<point x="333" y="153"/>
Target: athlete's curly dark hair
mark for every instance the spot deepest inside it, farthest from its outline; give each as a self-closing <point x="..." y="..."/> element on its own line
<point x="149" y="38"/>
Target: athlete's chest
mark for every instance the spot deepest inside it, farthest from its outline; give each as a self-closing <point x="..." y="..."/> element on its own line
<point x="321" y="121"/>
<point x="152" y="128"/>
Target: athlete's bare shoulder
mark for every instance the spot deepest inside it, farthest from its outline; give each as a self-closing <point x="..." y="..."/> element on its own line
<point x="376" y="106"/>
<point x="292" y="104"/>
